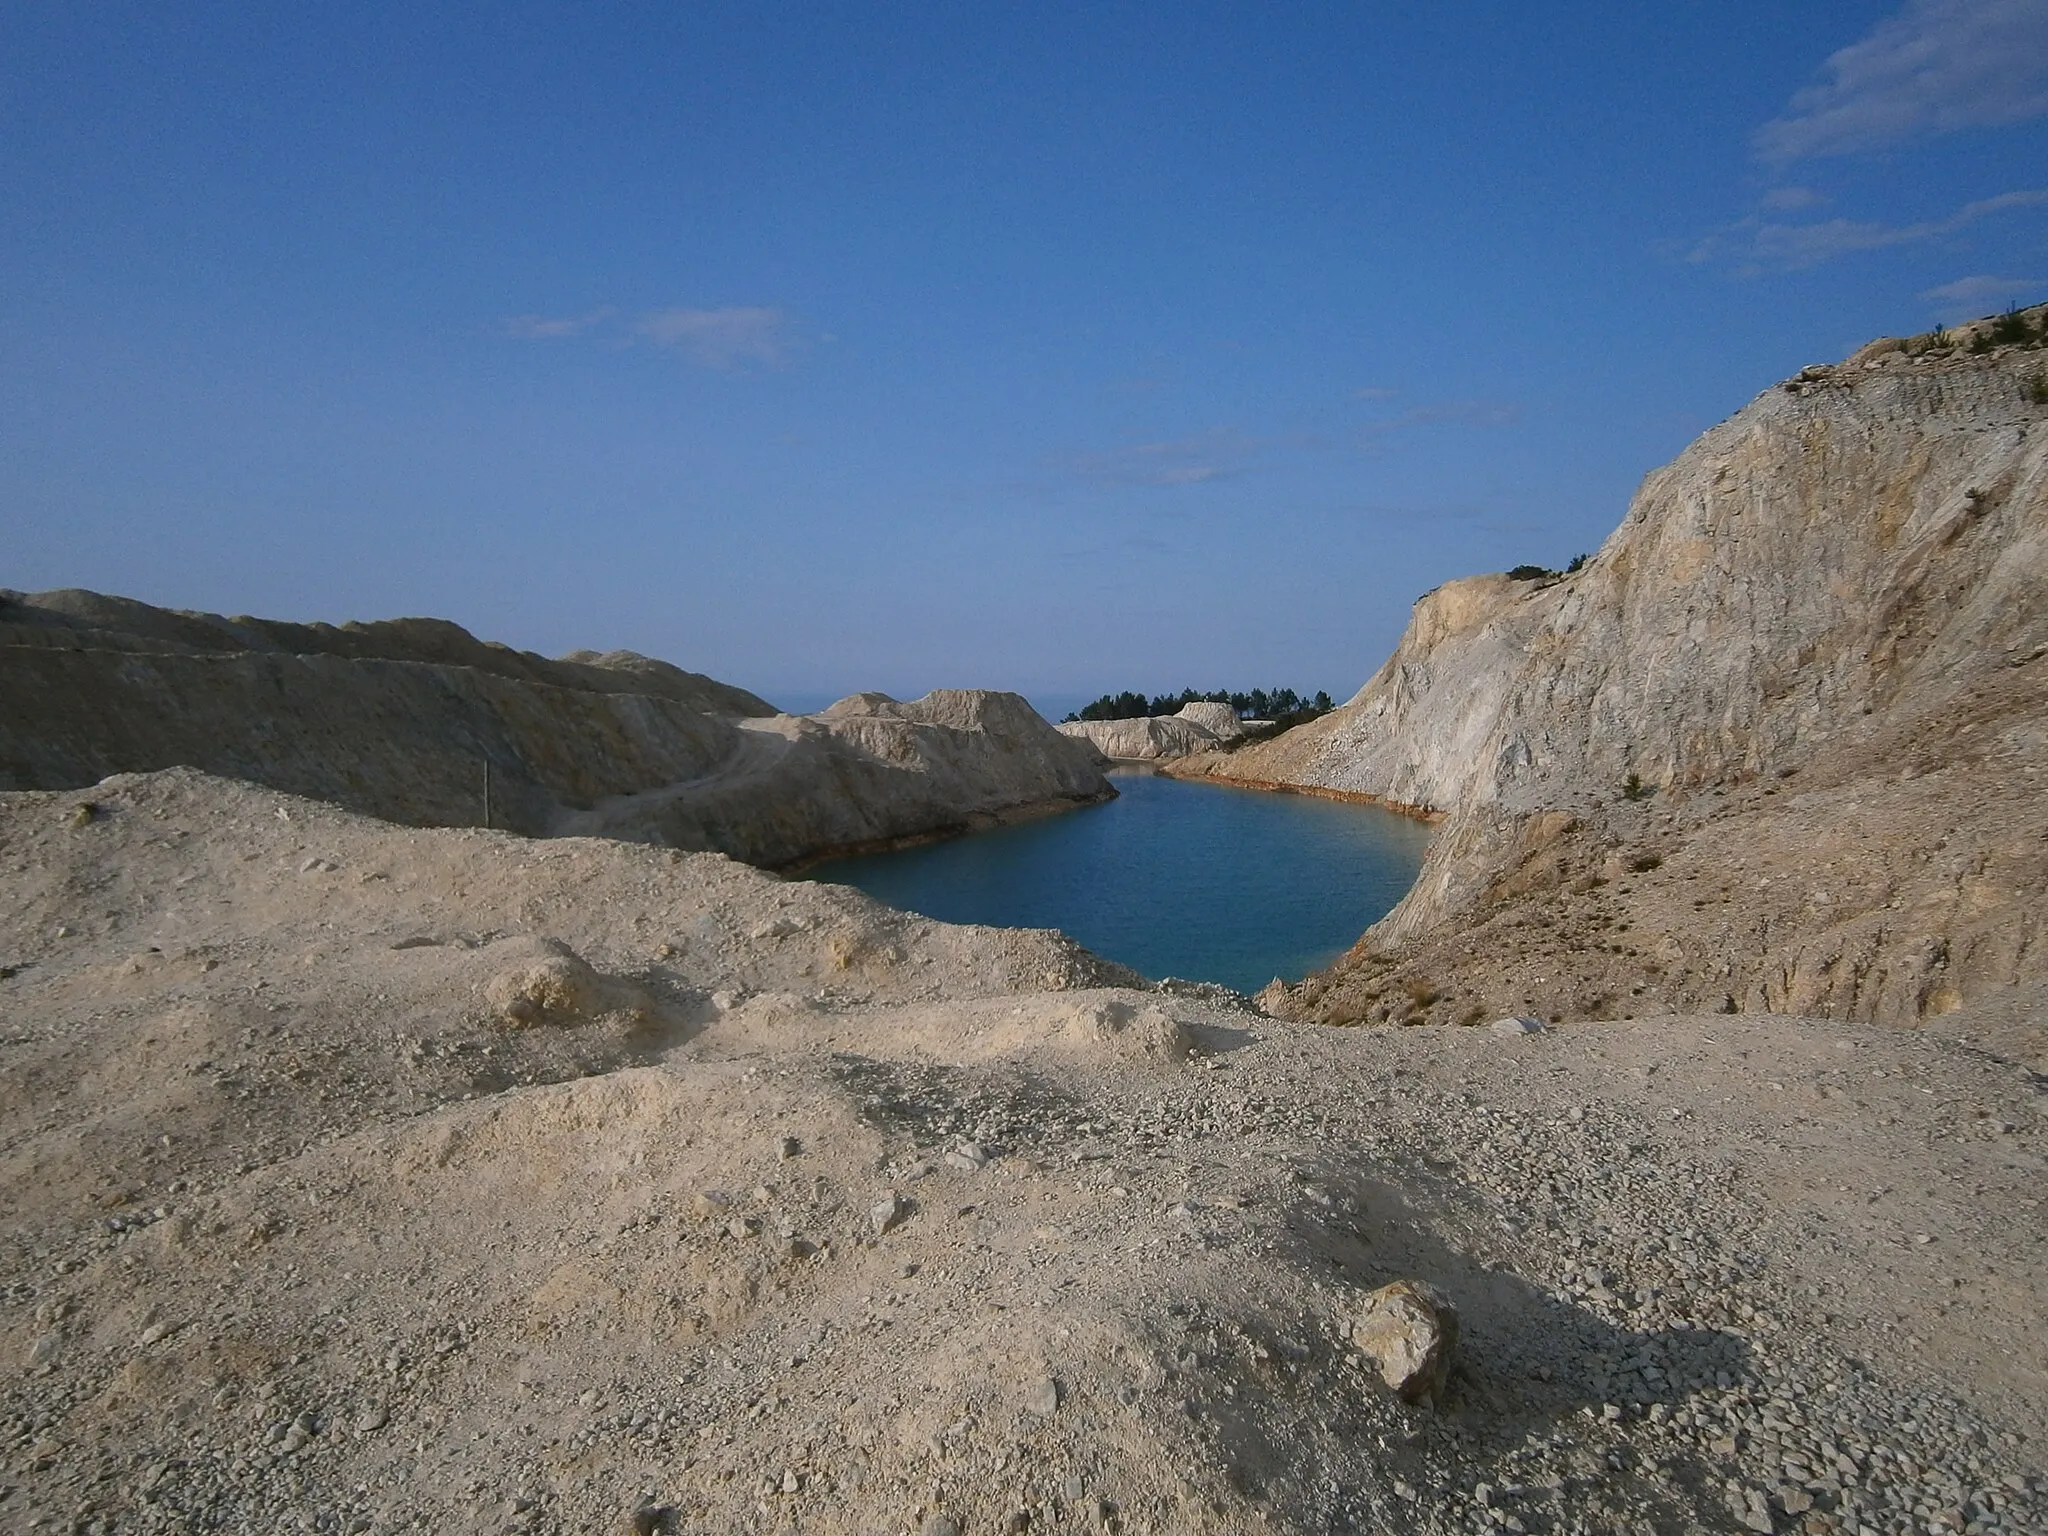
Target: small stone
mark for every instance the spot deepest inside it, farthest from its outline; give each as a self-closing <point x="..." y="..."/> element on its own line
<point x="787" y="1148"/>
<point x="1410" y="1330"/>
<point x="152" y="1333"/>
<point x="939" y="1525"/>
<point x="792" y="1480"/>
<point x="710" y="1204"/>
<point x="968" y="1157"/>
<point x="888" y="1213"/>
<point x="1516" y="1024"/>
<point x="372" y="1418"/>
<point x="1042" y="1398"/>
<point x="1794" y="1500"/>
<point x="651" y="1520"/>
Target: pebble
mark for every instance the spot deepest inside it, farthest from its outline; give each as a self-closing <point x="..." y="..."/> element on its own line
<point x="888" y="1213"/>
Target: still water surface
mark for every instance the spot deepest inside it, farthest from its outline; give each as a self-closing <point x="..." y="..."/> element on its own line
<point x="1199" y="881"/>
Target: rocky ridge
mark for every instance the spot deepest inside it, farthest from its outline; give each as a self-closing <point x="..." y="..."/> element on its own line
<point x="774" y="1210"/>
<point x="416" y="721"/>
<point x="1196" y="727"/>
<point x="1775" y="746"/>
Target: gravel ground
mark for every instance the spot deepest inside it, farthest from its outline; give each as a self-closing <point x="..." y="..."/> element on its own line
<point x="801" y="1215"/>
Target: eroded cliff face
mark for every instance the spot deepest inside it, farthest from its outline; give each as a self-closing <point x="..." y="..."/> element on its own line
<point x="1837" y="545"/>
<point x="405" y="720"/>
<point x="1844" y="585"/>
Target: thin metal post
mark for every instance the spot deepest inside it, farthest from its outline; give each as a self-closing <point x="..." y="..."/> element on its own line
<point x="487" y="794"/>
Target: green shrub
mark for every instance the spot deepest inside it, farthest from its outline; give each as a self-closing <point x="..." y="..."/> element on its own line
<point x="2009" y="329"/>
<point x="1633" y="788"/>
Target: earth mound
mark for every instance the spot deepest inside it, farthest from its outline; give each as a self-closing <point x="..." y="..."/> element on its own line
<point x="416" y="721"/>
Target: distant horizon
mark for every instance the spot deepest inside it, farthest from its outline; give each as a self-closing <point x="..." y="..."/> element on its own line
<point x="1063" y="351"/>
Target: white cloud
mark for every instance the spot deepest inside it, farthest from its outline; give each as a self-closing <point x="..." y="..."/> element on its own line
<point x="1757" y="244"/>
<point x="551" y="327"/>
<point x="1937" y="66"/>
<point x="1969" y="297"/>
<point x="1218" y="454"/>
<point x="732" y="337"/>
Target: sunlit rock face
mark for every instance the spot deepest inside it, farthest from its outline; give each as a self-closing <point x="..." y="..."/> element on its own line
<point x="1846" y="584"/>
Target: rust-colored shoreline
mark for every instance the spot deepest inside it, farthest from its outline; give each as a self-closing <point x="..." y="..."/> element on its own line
<point x="1420" y="813"/>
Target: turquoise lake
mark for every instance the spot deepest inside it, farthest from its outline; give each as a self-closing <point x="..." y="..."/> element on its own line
<point x="1199" y="881"/>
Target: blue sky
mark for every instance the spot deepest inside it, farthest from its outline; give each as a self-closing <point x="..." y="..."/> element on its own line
<point x="1058" y="347"/>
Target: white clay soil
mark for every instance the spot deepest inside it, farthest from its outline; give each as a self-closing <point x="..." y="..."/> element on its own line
<point x="357" y="1178"/>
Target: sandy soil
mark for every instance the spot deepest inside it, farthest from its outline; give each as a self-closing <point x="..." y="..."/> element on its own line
<point x="358" y="1178"/>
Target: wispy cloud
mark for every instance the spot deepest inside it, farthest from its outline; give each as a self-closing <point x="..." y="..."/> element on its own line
<point x="1968" y="297"/>
<point x="552" y="327"/>
<point x="1218" y="454"/>
<point x="1937" y="66"/>
<point x="737" y="336"/>
<point x="1791" y="199"/>
<point x="1454" y="413"/>
<point x="1757" y="243"/>
<point x="733" y="337"/>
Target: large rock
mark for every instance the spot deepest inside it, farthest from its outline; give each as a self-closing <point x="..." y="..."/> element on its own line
<point x="417" y="721"/>
<point x="1410" y="1331"/>
<point x="1198" y="727"/>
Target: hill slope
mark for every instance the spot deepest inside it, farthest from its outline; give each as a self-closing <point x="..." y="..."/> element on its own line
<point x="408" y="719"/>
<point x="1816" y="648"/>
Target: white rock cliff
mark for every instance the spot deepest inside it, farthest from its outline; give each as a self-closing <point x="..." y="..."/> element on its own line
<point x="1845" y="582"/>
